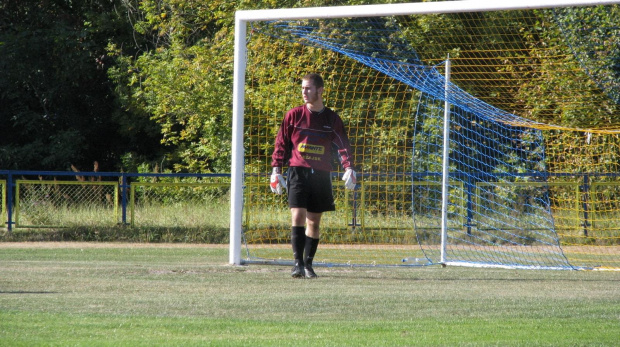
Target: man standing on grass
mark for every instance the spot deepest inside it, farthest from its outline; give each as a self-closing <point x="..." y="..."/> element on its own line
<point x="304" y="142"/>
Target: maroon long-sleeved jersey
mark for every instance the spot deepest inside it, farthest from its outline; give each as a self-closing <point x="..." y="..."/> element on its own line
<point x="305" y="139"/>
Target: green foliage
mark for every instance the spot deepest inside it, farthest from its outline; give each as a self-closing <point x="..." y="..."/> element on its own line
<point x="183" y="82"/>
<point x="58" y="108"/>
<point x="127" y="82"/>
<point x="595" y="43"/>
<point x="545" y="100"/>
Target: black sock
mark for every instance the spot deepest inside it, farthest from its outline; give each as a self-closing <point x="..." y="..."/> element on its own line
<point x="298" y="241"/>
<point x="310" y="250"/>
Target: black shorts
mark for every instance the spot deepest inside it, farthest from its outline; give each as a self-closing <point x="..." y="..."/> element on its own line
<point x="310" y="189"/>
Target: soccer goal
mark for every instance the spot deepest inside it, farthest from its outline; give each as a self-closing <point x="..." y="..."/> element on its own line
<point x="485" y="133"/>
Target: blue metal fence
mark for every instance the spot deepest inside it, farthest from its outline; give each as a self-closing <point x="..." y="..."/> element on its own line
<point x="10" y="177"/>
<point x="582" y="182"/>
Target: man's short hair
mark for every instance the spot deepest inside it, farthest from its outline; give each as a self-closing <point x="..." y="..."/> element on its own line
<point x="314" y="78"/>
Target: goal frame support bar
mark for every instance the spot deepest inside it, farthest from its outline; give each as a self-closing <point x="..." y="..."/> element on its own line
<point x="244" y="16"/>
<point x="445" y="170"/>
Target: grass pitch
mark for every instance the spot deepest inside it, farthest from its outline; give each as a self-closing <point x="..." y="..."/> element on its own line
<point x="94" y="294"/>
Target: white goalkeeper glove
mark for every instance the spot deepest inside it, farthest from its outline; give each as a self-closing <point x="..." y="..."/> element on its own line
<point x="277" y="182"/>
<point x="349" y="179"/>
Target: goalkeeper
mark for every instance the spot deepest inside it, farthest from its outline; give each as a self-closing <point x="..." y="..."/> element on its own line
<point x="304" y="142"/>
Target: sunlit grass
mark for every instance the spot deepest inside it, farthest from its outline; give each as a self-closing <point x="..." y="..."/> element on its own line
<point x="93" y="294"/>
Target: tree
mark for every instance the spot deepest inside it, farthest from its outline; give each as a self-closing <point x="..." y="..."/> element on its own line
<point x="183" y="78"/>
<point x="58" y="105"/>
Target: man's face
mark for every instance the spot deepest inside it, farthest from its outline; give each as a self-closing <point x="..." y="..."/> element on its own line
<point x="310" y="93"/>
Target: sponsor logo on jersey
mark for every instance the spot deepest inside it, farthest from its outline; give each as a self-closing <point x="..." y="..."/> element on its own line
<point x="308" y="148"/>
<point x="311" y="157"/>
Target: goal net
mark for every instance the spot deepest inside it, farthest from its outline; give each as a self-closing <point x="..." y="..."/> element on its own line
<point x="529" y="176"/>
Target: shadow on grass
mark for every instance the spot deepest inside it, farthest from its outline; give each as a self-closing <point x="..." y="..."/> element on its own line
<point x="25" y="292"/>
<point x="120" y="233"/>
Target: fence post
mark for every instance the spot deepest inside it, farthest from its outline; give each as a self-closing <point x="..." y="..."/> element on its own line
<point x="469" y="204"/>
<point x="124" y="187"/>
<point x="9" y="202"/>
<point x="586" y="198"/>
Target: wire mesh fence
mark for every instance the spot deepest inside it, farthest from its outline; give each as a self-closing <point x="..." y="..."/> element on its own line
<point x="65" y="203"/>
<point x="100" y="200"/>
<point x="159" y="203"/>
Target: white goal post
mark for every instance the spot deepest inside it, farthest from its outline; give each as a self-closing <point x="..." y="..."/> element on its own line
<point x="242" y="18"/>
